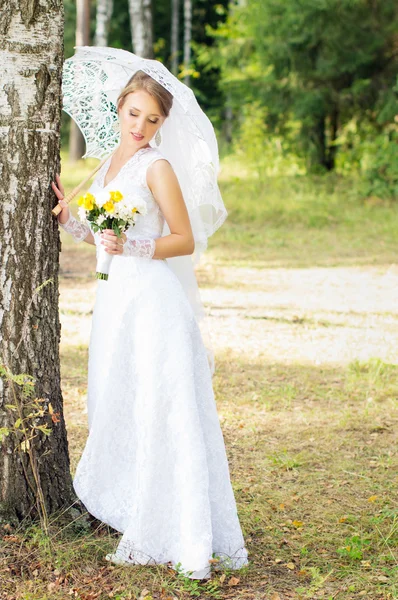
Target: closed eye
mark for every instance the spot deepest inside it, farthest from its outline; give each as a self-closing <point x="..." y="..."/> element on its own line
<point x="150" y="120"/>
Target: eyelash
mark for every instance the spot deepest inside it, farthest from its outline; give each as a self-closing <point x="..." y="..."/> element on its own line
<point x="154" y="122"/>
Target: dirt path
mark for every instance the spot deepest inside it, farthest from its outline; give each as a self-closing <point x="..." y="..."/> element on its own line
<point x="312" y="316"/>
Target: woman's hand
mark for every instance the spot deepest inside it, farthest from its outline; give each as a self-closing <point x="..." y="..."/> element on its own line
<point x="112" y="243"/>
<point x="60" y="193"/>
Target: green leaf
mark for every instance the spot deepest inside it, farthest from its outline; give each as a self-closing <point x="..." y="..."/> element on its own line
<point x="44" y="429"/>
<point x="4" y="431"/>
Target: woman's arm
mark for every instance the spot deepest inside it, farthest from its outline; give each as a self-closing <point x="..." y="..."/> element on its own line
<point x="79" y="231"/>
<point x="163" y="183"/>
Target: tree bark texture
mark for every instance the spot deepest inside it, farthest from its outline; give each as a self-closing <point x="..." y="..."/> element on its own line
<point x="31" y="52"/>
<point x="175" y="19"/>
<point x="104" y="14"/>
<point x="76" y="139"/>
<point x="141" y="22"/>
<point x="187" y="38"/>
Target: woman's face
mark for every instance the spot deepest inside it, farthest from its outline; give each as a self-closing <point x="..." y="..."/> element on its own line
<point x="140" y="118"/>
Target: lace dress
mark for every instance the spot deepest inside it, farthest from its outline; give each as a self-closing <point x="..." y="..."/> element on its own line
<point x="154" y="466"/>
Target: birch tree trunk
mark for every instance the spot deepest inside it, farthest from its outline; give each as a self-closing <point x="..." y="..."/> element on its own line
<point x="76" y="139"/>
<point x="187" y="38"/>
<point x="141" y="22"/>
<point x="104" y="14"/>
<point x="175" y="22"/>
<point x="31" y="54"/>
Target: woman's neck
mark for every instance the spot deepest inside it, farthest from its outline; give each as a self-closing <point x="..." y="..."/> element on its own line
<point x="124" y="153"/>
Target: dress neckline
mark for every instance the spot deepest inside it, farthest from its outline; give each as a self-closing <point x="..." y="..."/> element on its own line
<point x="101" y="179"/>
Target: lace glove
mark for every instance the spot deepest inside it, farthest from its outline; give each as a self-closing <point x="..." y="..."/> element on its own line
<point x="78" y="230"/>
<point x="136" y="247"/>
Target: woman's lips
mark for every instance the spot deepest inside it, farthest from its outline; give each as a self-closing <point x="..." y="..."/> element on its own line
<point x="137" y="137"/>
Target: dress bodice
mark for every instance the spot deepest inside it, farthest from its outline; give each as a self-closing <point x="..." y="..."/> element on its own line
<point x="132" y="176"/>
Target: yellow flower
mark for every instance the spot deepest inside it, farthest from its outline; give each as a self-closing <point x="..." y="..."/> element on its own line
<point x="116" y="196"/>
<point x="109" y="206"/>
<point x="88" y="202"/>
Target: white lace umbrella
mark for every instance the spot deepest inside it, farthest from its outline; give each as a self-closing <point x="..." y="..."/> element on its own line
<point x="92" y="81"/>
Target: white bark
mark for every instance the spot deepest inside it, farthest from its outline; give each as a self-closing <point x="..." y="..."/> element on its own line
<point x="104" y="14"/>
<point x="187" y="38"/>
<point x="175" y="22"/>
<point x="31" y="55"/>
<point x="141" y="22"/>
<point x="76" y="140"/>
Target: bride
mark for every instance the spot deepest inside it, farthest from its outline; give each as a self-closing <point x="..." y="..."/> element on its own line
<point x="154" y="466"/>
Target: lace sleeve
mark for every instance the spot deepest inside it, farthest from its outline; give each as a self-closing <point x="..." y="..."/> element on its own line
<point x="79" y="231"/>
<point x="144" y="248"/>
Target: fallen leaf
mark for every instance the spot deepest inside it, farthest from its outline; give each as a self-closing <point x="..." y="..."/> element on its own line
<point x="222" y="578"/>
<point x="56" y="418"/>
<point x="291" y="566"/>
<point x="233" y="581"/>
<point x="366" y="563"/>
<point x="297" y="523"/>
<point x="303" y="573"/>
<point x="11" y="538"/>
<point x="372" y="499"/>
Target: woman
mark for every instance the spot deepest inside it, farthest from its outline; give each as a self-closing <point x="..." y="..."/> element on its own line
<point x="154" y="466"/>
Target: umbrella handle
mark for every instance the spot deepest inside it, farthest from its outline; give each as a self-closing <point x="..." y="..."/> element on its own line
<point x="57" y="209"/>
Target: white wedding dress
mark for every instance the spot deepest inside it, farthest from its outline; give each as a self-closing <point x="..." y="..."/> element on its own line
<point x="154" y="466"/>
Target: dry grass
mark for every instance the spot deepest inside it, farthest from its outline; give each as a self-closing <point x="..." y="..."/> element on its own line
<point x="306" y="388"/>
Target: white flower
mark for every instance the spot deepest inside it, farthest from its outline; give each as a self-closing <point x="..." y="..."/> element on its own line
<point x="81" y="213"/>
<point x="100" y="219"/>
<point x="141" y="207"/>
<point x="101" y="198"/>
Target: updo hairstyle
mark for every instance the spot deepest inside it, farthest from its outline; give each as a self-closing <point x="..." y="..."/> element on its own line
<point x="143" y="81"/>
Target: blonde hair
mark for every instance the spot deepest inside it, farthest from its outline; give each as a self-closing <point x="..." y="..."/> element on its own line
<point x="143" y="81"/>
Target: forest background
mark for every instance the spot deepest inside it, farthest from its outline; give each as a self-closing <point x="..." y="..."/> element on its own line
<point x="301" y="289"/>
<point x="291" y="87"/>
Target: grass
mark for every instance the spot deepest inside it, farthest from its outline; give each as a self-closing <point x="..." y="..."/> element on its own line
<point x="301" y="221"/>
<point x="291" y="221"/>
<point x="300" y="287"/>
<point x="314" y="482"/>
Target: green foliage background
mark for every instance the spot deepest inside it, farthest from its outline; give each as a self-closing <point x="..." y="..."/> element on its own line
<point x="292" y="87"/>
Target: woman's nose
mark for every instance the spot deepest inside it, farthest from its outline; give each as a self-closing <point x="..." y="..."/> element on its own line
<point x="141" y="126"/>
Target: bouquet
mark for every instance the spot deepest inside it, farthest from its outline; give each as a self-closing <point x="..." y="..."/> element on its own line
<point x="109" y="210"/>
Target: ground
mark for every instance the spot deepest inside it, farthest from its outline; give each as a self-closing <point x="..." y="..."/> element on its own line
<point x="305" y="339"/>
